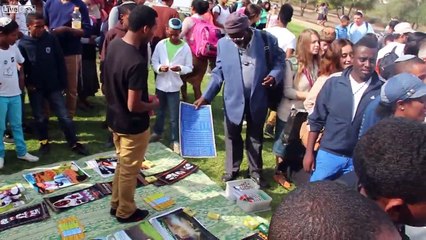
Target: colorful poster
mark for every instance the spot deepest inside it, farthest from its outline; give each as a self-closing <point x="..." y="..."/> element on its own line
<point x="177" y="225"/>
<point x="73" y="199"/>
<point x="104" y="166"/>
<point x="52" y="179"/>
<point x="23" y="216"/>
<point x="143" y="231"/>
<point x="196" y="131"/>
<point x="12" y="196"/>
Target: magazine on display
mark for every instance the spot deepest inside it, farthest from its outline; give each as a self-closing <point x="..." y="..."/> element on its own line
<point x="176" y="225"/>
<point x="12" y="197"/>
<point x="23" y="216"/>
<point x="54" y="178"/>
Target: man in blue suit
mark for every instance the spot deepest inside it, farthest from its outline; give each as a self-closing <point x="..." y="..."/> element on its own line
<point x="242" y="65"/>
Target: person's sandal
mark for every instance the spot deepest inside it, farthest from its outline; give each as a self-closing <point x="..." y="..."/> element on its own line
<point x="281" y="180"/>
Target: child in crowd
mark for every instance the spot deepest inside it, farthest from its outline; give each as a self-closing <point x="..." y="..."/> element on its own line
<point x="172" y="57"/>
<point x="342" y="29"/>
<point x="273" y="17"/>
<point x="45" y="79"/>
<point x="11" y="85"/>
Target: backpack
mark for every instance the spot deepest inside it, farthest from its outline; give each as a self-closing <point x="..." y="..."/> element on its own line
<point x="204" y="38"/>
<point x="366" y="25"/>
<point x="275" y="93"/>
<point x="384" y="64"/>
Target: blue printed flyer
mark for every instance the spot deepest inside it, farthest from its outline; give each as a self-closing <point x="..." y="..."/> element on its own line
<point x="196" y="131"/>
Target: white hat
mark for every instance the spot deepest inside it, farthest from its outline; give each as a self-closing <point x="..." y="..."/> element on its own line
<point x="403" y="27"/>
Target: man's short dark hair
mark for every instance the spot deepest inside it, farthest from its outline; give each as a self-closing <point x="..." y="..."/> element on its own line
<point x="369" y="40"/>
<point x="390" y="160"/>
<point x="285" y="14"/>
<point x="9" y="28"/>
<point x="31" y="17"/>
<point x="200" y="6"/>
<point x="393" y="23"/>
<point x="126" y="8"/>
<point x="345" y="17"/>
<point x="142" y="16"/>
<point x="327" y="210"/>
<point x="413" y="43"/>
<point x="359" y="13"/>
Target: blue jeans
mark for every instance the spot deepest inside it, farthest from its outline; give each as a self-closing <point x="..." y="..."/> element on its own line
<point x="329" y="166"/>
<point x="11" y="109"/>
<point x="57" y="104"/>
<point x="279" y="148"/>
<point x="170" y="101"/>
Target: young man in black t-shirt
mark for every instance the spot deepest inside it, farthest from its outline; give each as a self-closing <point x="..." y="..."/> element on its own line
<point x="126" y="76"/>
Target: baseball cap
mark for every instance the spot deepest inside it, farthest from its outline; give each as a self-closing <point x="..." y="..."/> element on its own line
<point x="4" y="21"/>
<point x="175" y="24"/>
<point x="403" y="27"/>
<point x="402" y="87"/>
<point x="405" y="57"/>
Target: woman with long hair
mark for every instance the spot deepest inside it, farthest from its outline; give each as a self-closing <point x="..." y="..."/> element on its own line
<point x="252" y="11"/>
<point x="296" y="88"/>
<point x="337" y="58"/>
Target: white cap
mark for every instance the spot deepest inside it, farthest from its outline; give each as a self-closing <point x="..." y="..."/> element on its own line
<point x="403" y="27"/>
<point x="405" y="57"/>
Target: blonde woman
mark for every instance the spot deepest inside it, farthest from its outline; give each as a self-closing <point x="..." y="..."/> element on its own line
<point x="296" y="89"/>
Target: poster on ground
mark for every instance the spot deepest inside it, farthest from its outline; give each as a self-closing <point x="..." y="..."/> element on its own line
<point x="176" y="225"/>
<point x="196" y="131"/>
<point x="54" y="178"/>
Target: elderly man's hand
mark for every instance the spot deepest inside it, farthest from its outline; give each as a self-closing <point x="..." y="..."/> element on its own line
<point x="268" y="82"/>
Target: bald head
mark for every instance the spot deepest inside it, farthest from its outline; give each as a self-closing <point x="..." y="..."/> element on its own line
<point x="414" y="66"/>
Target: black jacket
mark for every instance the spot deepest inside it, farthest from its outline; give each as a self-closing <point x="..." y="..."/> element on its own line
<point x="44" y="65"/>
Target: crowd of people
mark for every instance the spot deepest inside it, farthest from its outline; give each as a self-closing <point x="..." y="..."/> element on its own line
<point x="351" y="108"/>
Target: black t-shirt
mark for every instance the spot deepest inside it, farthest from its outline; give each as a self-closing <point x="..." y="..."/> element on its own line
<point x="125" y="68"/>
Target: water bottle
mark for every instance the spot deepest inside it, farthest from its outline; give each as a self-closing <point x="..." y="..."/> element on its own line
<point x="76" y="18"/>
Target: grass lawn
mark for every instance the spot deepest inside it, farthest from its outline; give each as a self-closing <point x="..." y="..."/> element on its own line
<point x="89" y="127"/>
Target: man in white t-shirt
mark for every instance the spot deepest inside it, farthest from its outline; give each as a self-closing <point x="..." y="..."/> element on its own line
<point x="359" y="28"/>
<point x="401" y="34"/>
<point x="286" y="39"/>
<point x="220" y="14"/>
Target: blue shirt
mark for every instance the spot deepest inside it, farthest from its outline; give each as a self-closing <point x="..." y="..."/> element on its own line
<point x="58" y="14"/>
<point x="341" y="32"/>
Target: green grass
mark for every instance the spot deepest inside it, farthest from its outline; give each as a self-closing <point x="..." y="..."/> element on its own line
<point x="89" y="128"/>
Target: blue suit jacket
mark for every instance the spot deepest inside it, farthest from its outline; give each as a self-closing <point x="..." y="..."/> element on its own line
<point x="228" y="70"/>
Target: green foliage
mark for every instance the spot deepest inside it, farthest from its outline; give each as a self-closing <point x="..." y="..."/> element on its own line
<point x="413" y="11"/>
<point x="343" y="5"/>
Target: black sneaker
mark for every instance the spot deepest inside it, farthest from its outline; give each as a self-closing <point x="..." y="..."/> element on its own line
<point x="80" y="149"/>
<point x="229" y="177"/>
<point x="113" y="211"/>
<point x="8" y="139"/>
<point x="44" y="148"/>
<point x="137" y="216"/>
<point x="269" y="130"/>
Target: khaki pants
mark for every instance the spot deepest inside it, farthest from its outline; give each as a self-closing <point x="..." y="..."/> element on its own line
<point x="73" y="65"/>
<point x="130" y="149"/>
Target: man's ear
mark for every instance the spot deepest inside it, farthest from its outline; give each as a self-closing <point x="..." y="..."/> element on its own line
<point x="394" y="207"/>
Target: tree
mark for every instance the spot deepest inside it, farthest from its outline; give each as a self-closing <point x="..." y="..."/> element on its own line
<point x="341" y="5"/>
<point x="409" y="11"/>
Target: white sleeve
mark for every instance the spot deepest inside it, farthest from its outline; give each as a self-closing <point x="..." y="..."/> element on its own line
<point x="216" y="9"/>
<point x="187" y="24"/>
<point x="19" y="58"/>
<point x="292" y="44"/>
